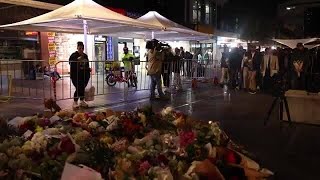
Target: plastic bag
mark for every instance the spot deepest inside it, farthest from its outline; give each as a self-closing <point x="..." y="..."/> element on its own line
<point x="89" y="94"/>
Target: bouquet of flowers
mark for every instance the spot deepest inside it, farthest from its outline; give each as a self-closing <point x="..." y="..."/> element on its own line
<point x="125" y="145"/>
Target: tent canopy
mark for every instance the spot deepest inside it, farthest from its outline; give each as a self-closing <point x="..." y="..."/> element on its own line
<point x="292" y="43"/>
<point x="70" y="19"/>
<point x="170" y="30"/>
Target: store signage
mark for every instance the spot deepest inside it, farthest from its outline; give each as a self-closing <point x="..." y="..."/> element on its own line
<point x="52" y="46"/>
<point x="52" y="61"/>
<point x="32" y="33"/>
<point x="51" y="34"/>
<point x="109" y="48"/>
<point x="99" y="38"/>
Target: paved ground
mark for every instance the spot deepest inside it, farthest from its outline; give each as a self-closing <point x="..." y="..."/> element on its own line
<point x="292" y="152"/>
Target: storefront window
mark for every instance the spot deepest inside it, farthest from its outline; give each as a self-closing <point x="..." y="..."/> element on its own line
<point x="196" y="12"/>
<point x="208" y="14"/>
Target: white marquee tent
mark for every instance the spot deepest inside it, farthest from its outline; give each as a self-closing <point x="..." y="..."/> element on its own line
<point x="170" y="30"/>
<point x="82" y="16"/>
<point x="292" y="43"/>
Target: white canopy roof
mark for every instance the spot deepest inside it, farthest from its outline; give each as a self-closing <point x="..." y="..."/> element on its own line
<point x="292" y="43"/>
<point x="170" y="30"/>
<point x="69" y="19"/>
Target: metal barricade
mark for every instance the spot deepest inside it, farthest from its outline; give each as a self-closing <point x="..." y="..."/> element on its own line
<point x="28" y="78"/>
<point x="23" y="79"/>
<point x="65" y="88"/>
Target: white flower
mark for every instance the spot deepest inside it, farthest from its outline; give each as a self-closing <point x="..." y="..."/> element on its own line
<point x="94" y="125"/>
<point x="162" y="173"/>
<point x="166" y="111"/>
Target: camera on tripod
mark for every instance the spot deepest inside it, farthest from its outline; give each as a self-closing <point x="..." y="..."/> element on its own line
<point x="279" y="86"/>
<point x="155" y="44"/>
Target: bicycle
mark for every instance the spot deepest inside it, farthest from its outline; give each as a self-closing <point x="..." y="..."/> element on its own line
<point x="113" y="78"/>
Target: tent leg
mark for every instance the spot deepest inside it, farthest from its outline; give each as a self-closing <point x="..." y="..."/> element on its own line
<point x="152" y="35"/>
<point x="85" y="36"/>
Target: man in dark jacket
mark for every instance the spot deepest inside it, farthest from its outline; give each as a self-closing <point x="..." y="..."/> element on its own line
<point x="235" y="67"/>
<point x="79" y="74"/>
<point x="299" y="63"/>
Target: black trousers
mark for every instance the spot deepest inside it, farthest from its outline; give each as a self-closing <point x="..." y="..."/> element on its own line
<point x="234" y="80"/>
<point x="166" y="79"/>
<point x="80" y="82"/>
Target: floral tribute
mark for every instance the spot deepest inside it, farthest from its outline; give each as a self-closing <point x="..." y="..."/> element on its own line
<point x="122" y="145"/>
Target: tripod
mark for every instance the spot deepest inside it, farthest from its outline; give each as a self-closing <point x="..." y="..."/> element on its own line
<point x="281" y="100"/>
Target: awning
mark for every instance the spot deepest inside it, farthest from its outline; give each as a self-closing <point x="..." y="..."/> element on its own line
<point x="170" y="31"/>
<point x="72" y="18"/>
<point x="292" y="43"/>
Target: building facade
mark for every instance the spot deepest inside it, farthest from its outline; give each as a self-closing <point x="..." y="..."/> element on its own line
<point x="298" y="19"/>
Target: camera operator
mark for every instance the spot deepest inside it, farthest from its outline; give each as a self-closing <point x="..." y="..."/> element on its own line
<point x="154" y="67"/>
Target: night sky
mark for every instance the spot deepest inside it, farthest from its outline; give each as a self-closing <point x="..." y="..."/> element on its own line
<point x="254" y="7"/>
<point x="257" y="18"/>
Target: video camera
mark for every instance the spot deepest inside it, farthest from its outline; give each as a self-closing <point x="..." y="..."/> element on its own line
<point x="279" y="86"/>
<point x="155" y="44"/>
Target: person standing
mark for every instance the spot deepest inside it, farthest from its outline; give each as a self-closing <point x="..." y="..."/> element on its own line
<point x="269" y="67"/>
<point x="224" y="70"/>
<point x="167" y="69"/>
<point x="245" y="70"/>
<point x="154" y="67"/>
<point x="299" y="62"/>
<point x="252" y="60"/>
<point x="79" y="74"/>
<point x="235" y="66"/>
<point x="127" y="60"/>
<point x="177" y="64"/>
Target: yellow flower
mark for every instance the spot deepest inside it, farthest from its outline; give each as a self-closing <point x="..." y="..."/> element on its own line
<point x="39" y="129"/>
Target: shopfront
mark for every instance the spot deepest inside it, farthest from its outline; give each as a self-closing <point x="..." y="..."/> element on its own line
<point x="203" y="49"/>
<point x="100" y="43"/>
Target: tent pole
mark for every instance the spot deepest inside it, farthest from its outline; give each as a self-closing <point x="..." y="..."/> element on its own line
<point x="152" y="35"/>
<point x="85" y="36"/>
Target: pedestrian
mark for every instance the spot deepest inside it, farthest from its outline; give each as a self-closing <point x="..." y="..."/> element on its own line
<point x="154" y="67"/>
<point x="79" y="74"/>
<point x="177" y="64"/>
<point x="167" y="69"/>
<point x="269" y="68"/>
<point x="224" y="70"/>
<point x="299" y="62"/>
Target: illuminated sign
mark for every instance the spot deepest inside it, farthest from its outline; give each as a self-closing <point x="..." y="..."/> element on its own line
<point x="31" y="33"/>
<point x="51" y="34"/>
<point x="99" y="38"/>
<point x="109" y="48"/>
<point x="52" y="61"/>
<point x="51" y="46"/>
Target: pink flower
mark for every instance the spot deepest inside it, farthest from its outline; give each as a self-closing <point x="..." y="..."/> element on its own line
<point x="144" y="167"/>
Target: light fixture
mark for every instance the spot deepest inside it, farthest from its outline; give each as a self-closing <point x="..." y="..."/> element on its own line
<point x="290" y="8"/>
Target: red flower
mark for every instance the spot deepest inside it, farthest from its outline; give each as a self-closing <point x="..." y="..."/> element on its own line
<point x="144" y="167"/>
<point x="129" y="127"/>
<point x="163" y="159"/>
<point x="66" y="145"/>
<point x="186" y="138"/>
<point x="230" y="157"/>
